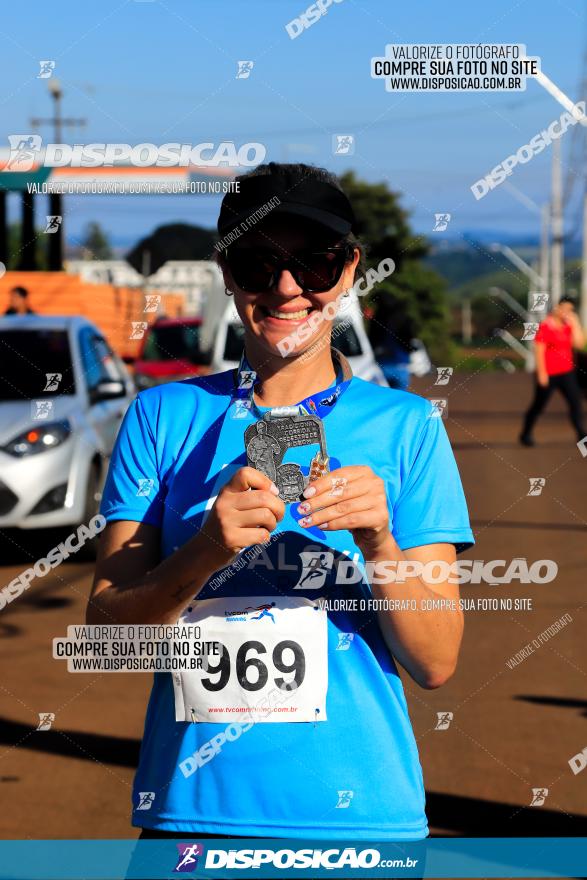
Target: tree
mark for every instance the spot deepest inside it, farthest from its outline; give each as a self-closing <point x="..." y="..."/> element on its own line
<point x="14" y="246"/>
<point x="382" y="222"/>
<point x="95" y="243"/>
<point x="412" y="301"/>
<point x="175" y="241"/>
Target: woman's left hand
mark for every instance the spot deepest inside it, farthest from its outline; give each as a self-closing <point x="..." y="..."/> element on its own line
<point x="350" y="498"/>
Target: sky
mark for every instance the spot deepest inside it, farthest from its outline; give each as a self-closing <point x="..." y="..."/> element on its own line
<point x="165" y="71"/>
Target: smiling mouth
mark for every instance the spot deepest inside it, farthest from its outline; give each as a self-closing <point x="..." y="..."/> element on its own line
<point x="298" y="315"/>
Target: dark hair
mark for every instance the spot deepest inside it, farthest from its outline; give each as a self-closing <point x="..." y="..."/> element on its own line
<point x="20" y="291"/>
<point x="313" y="172"/>
<point x="567" y="298"/>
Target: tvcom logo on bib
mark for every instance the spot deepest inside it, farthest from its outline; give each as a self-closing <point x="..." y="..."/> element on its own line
<point x="251" y="613"/>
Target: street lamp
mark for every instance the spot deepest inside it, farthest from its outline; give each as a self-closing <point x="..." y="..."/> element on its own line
<point x="526" y="351"/>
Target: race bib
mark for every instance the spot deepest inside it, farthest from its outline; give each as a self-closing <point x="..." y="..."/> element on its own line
<point x="271" y="662"/>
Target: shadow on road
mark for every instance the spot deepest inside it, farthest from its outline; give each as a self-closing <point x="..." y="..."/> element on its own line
<point x="483" y="444"/>
<point x="476" y="818"/>
<point x="543" y="526"/>
<point x="560" y="702"/>
<point x="117" y="750"/>
<point x="24" y="547"/>
<point x="462" y="815"/>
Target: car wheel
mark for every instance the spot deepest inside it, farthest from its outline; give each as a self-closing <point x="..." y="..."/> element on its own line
<point x="91" y="508"/>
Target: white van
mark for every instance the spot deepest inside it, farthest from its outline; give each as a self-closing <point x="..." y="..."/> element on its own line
<point x="348" y="336"/>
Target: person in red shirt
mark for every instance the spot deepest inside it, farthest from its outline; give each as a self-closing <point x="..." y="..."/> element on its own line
<point x="557" y="335"/>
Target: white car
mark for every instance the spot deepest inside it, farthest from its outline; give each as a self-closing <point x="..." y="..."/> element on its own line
<point x="348" y="336"/>
<point x="63" y="393"/>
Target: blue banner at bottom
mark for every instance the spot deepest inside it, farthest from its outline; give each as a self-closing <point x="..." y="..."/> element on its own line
<point x="564" y="857"/>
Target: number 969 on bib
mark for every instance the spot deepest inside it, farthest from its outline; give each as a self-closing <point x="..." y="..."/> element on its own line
<point x="271" y="663"/>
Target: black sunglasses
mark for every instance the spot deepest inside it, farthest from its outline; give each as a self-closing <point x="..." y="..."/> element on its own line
<point x="257" y="270"/>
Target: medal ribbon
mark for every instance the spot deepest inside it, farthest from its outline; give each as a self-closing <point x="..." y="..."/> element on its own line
<point x="319" y="404"/>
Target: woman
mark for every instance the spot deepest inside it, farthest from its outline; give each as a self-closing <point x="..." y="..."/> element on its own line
<point x="325" y="747"/>
<point x="557" y="335"/>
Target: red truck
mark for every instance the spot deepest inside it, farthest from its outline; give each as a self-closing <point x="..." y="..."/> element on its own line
<point x="170" y="351"/>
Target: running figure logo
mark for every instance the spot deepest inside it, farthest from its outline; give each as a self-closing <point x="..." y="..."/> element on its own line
<point x="265" y="612"/>
<point x="315" y="567"/>
<point x="23" y="151"/>
<point x="46" y="719"/>
<point x="539" y="795"/>
<point x="144" y="487"/>
<point x="441" y="222"/>
<point x="46" y="69"/>
<point x="188" y="857"/>
<point x="241" y="614"/>
<point x="530" y="331"/>
<point x="439" y="408"/>
<point x="538" y="302"/>
<point x="344" y="641"/>
<point x="240" y="409"/>
<point x="53" y="380"/>
<point x="138" y="329"/>
<point x="343" y="144"/>
<point x="443" y="375"/>
<point x="244" y="69"/>
<point x="146" y="799"/>
<point x="344" y="799"/>
<point x="41" y="409"/>
<point x="537" y="484"/>
<point x="444" y="719"/>
<point x="53" y="222"/>
<point x="246" y="379"/>
<point x="152" y="301"/>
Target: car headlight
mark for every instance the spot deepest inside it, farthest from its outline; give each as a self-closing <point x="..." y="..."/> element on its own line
<point x="38" y="439"/>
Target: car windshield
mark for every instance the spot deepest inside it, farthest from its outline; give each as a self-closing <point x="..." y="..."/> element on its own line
<point x="172" y="342"/>
<point x="344" y="338"/>
<point x="34" y="364"/>
<point x="235" y="336"/>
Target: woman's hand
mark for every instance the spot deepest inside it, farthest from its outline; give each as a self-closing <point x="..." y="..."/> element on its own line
<point x="542" y="379"/>
<point x="241" y="517"/>
<point x="350" y="498"/>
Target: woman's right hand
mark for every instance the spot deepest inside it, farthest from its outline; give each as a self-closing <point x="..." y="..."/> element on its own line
<point x="245" y="512"/>
<point x="542" y="379"/>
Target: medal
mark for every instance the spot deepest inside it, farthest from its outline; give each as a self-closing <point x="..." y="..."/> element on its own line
<point x="287" y="427"/>
<point x="267" y="441"/>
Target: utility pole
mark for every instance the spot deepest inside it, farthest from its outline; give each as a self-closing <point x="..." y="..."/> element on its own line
<point x="466" y="322"/>
<point x="583" y="303"/>
<point x="55" y="243"/>
<point x="557" y="225"/>
<point x="544" y="247"/>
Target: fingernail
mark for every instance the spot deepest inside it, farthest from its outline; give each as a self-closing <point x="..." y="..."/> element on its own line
<point x="306" y="521"/>
<point x="273" y="488"/>
<point x="303" y="508"/>
<point x="307" y="493"/>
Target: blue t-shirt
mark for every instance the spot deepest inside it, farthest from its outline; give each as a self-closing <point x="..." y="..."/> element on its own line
<point x="357" y="774"/>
